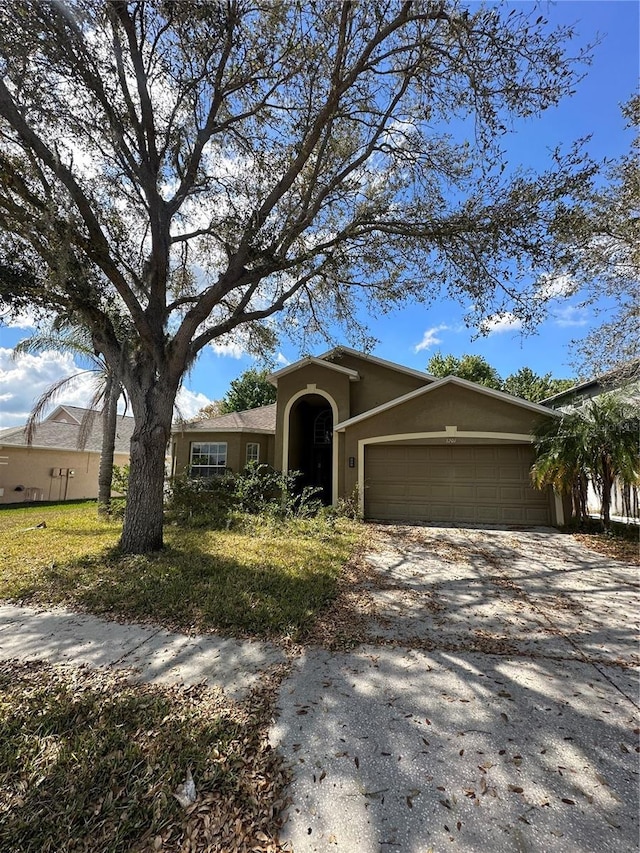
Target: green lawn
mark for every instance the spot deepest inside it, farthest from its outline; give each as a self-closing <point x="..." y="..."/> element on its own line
<point x="269" y="579"/>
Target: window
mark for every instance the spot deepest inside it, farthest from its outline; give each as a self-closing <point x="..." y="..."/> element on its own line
<point x="323" y="427"/>
<point x="253" y="452"/>
<point x="208" y="460"/>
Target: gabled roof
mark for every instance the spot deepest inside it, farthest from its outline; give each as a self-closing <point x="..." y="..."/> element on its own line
<point x="57" y="435"/>
<point x="75" y="413"/>
<point x="392" y="365"/>
<point x="448" y="380"/>
<point x="261" y="420"/>
<point x="610" y="381"/>
<point x="303" y="362"/>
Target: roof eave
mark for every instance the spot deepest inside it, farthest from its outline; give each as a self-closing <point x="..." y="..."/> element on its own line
<point x="382" y="361"/>
<point x="353" y="375"/>
<point x="256" y="430"/>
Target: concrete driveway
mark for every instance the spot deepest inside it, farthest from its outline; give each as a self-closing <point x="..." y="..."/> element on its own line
<point x="493" y="705"/>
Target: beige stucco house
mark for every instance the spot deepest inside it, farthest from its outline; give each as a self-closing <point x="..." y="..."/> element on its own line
<point x="54" y="467"/>
<point x="410" y="446"/>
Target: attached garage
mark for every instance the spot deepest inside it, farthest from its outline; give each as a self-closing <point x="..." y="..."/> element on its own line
<point x="461" y="483"/>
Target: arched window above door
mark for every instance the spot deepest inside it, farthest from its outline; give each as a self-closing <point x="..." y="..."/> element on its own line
<point x="323" y="427"/>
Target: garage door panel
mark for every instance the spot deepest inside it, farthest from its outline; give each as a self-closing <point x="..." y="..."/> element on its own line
<point x="464" y="483"/>
<point x="487" y="493"/>
<point x="461" y="492"/>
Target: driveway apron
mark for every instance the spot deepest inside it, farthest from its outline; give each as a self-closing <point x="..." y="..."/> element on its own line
<point x="492" y="707"/>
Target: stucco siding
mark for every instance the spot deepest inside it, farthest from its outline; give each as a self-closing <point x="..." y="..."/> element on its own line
<point x="31" y="468"/>
<point x="311" y="379"/>
<point x="449" y="405"/>
<point x="378" y="384"/>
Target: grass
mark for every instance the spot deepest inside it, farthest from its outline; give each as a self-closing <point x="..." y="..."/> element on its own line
<point x="270" y="579"/>
<point x="89" y="762"/>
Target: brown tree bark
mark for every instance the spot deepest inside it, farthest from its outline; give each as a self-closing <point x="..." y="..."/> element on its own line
<point x="143" y="519"/>
<point x="109" y="428"/>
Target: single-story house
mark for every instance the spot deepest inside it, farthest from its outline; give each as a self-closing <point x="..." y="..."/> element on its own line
<point x="56" y="466"/>
<point x="410" y="446"/>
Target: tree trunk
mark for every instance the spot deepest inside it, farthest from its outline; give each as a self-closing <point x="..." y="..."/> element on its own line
<point x="143" y="517"/>
<point x="607" y="486"/>
<point x="109" y="426"/>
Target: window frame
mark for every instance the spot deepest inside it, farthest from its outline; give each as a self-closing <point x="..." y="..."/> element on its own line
<point x="207" y="469"/>
<point x="256" y="459"/>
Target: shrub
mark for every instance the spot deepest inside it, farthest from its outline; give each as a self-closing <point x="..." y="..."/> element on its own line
<point x="119" y="486"/>
<point x="258" y="490"/>
<point x="201" y="501"/>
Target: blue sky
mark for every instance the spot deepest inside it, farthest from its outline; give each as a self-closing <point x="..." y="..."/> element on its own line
<point x="410" y="336"/>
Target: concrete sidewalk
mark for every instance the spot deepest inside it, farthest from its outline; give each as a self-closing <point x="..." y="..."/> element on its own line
<point x="154" y="655"/>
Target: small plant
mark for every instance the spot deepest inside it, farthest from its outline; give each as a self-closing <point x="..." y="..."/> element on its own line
<point x="349" y="507"/>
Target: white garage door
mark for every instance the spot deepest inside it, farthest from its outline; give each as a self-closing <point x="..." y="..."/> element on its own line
<point x="483" y="484"/>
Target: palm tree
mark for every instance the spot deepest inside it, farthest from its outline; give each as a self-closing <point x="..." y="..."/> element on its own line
<point x="613" y="433"/>
<point x="596" y="442"/>
<point x="66" y="337"/>
<point x="561" y="460"/>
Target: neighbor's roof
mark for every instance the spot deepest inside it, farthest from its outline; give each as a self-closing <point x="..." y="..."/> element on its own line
<point x="612" y="380"/>
<point x="262" y="419"/>
<point x="57" y="435"/>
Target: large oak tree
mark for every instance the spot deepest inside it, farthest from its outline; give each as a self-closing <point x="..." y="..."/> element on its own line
<point x="171" y="172"/>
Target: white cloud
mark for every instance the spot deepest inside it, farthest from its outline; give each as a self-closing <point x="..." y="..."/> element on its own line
<point x="570" y="315"/>
<point x="282" y="359"/>
<point x="24" y="320"/>
<point x="430" y="338"/>
<point x="24" y="380"/>
<point x="189" y="403"/>
<point x="232" y="348"/>
<point x="555" y="287"/>
<point x="503" y="322"/>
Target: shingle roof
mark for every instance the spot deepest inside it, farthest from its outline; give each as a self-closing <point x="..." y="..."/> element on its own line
<point x="262" y="419"/>
<point x="64" y="436"/>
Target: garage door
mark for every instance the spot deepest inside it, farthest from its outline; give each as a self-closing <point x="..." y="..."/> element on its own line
<point x="484" y="484"/>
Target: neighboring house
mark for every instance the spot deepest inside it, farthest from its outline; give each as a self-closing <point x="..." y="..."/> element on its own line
<point x="412" y="447"/>
<point x="53" y="467"/>
<point x="624" y="381"/>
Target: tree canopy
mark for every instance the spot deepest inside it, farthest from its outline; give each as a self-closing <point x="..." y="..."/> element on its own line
<point x="605" y="236"/>
<point x="533" y="386"/>
<point x="475" y="368"/>
<point x="248" y="391"/>
<point x="523" y="383"/>
<point x="173" y="173"/>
